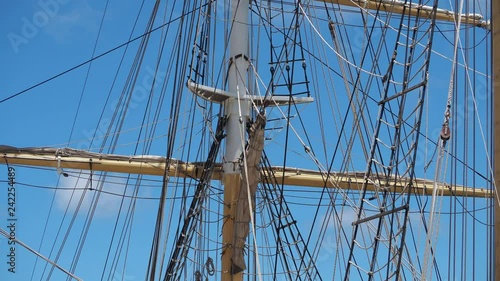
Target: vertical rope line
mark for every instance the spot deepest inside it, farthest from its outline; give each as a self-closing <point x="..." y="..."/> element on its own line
<point x="428" y="253"/>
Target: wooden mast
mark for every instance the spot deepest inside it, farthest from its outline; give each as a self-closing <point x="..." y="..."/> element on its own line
<point x="237" y="111"/>
<point x="495" y="18"/>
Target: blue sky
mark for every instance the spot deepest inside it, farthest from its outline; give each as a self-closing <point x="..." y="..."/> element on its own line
<point x="42" y="40"/>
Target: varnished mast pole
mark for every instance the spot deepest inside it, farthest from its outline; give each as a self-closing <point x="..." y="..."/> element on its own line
<point x="236" y="111"/>
<point x="495" y="18"/>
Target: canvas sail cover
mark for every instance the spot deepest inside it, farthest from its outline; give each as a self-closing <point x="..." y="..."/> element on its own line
<point x="249" y="182"/>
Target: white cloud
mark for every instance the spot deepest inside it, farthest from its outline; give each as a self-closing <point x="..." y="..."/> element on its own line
<point x="75" y="190"/>
<point x="80" y="21"/>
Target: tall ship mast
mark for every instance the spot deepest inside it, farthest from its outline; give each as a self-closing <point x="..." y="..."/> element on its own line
<point x="254" y="140"/>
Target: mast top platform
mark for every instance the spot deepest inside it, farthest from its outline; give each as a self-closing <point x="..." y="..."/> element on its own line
<point x="219" y="96"/>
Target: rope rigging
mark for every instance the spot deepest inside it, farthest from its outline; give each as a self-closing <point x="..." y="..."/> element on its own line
<point x="288" y="235"/>
<point x="370" y="215"/>
<point x="183" y="236"/>
<point x="157" y="255"/>
<point x="388" y="223"/>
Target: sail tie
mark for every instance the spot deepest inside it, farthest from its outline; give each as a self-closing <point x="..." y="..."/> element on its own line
<point x="209" y="265"/>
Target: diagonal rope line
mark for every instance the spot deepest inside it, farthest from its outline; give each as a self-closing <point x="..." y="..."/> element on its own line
<point x="4" y="233"/>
